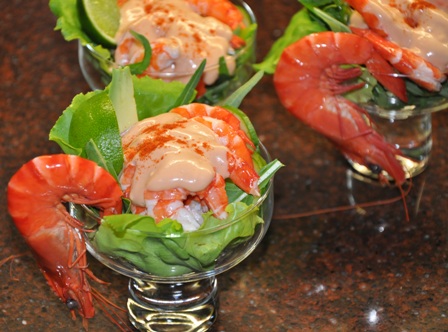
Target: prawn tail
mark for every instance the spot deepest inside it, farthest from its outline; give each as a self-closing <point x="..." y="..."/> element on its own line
<point x="244" y="176"/>
<point x="384" y="73"/>
<point x="215" y="197"/>
<point x="405" y="61"/>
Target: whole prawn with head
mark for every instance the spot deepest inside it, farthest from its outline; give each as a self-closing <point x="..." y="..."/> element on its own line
<point x="36" y="194"/>
<point x="309" y="81"/>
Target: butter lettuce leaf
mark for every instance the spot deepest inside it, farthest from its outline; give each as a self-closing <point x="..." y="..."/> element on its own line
<point x="68" y="21"/>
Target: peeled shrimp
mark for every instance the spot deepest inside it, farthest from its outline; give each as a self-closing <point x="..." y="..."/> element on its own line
<point x="223" y="10"/>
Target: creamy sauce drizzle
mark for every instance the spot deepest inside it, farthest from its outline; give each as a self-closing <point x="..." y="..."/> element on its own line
<point x="185" y="38"/>
<point x="169" y="151"/>
<point x="413" y="25"/>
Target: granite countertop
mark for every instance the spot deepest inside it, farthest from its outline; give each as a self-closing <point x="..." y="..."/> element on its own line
<point x="359" y="269"/>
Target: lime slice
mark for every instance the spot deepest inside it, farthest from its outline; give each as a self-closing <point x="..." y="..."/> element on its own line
<point x="100" y="19"/>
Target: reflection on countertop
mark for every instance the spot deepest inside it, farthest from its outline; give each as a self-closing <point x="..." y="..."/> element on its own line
<point x="363" y="269"/>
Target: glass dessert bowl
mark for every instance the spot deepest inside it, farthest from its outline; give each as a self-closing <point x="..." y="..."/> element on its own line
<point x="173" y="285"/>
<point x="97" y="63"/>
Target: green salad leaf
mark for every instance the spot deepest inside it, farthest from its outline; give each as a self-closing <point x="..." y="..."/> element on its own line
<point x="92" y="116"/>
<point x="333" y="13"/>
<point x="121" y="94"/>
<point x="300" y="25"/>
<point x="68" y="21"/>
<point x="237" y="97"/>
<point x="140" y="67"/>
<point x="189" y="91"/>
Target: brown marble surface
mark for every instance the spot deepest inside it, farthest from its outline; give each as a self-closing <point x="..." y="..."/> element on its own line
<point x="356" y="270"/>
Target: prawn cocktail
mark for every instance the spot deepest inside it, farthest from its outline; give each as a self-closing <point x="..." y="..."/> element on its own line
<point x="344" y="54"/>
<point x="177" y="171"/>
<point x="168" y="39"/>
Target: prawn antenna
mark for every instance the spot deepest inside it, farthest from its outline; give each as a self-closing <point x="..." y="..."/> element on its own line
<point x="402" y="197"/>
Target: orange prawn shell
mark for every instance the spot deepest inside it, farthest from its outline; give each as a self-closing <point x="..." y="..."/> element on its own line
<point x="35" y="194"/>
<point x="307" y="87"/>
<point x="55" y="178"/>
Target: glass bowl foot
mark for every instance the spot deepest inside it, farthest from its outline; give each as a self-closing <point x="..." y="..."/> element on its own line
<point x="182" y="306"/>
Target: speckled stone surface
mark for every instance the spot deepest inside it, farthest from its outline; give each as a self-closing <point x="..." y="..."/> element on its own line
<point x="357" y="270"/>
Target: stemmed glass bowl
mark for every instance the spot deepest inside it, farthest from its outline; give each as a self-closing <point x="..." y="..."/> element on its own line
<point x="182" y="297"/>
<point x="96" y="66"/>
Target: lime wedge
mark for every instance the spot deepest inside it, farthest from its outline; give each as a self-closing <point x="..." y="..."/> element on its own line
<point x="94" y="120"/>
<point x="100" y="20"/>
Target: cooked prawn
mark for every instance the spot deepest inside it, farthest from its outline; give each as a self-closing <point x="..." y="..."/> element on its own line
<point x="36" y="194"/>
<point x="228" y="128"/>
<point x="215" y="112"/>
<point x="176" y="163"/>
<point x="188" y="207"/>
<point x="308" y="82"/>
<point x="411" y="35"/>
<point x="223" y="10"/>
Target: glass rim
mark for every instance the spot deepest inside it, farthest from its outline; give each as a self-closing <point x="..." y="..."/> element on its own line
<point x="407" y="111"/>
<point x="90" y="47"/>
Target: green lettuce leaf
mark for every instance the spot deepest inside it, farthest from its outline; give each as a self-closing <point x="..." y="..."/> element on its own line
<point x="68" y="21"/>
<point x="235" y="99"/>
<point x="300" y="25"/>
